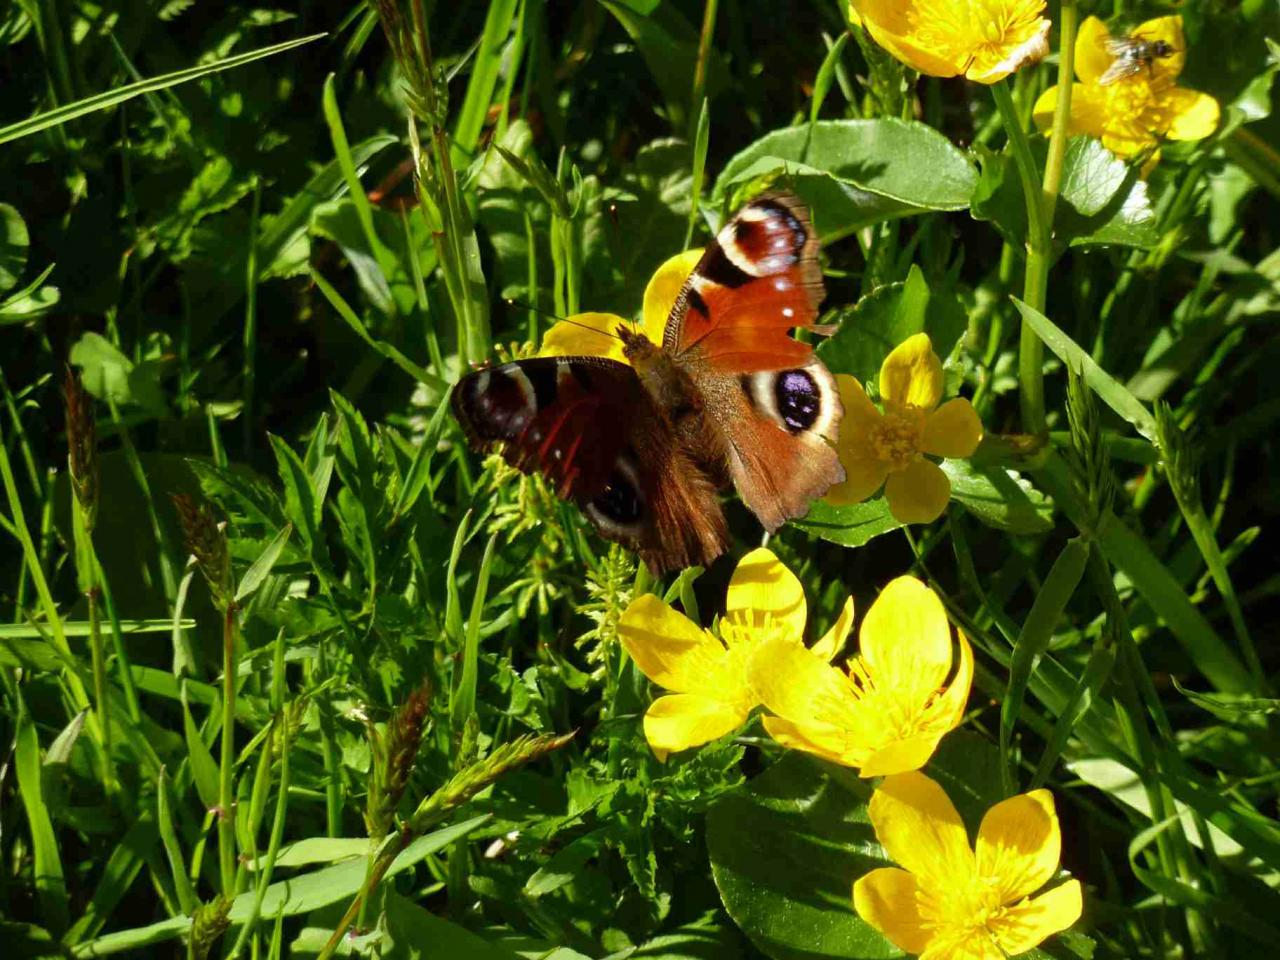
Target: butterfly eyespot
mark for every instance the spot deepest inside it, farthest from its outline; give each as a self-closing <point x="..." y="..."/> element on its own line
<point x="619" y="502"/>
<point x="798" y="399"/>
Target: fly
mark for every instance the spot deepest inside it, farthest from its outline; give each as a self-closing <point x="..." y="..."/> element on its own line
<point x="1131" y="54"/>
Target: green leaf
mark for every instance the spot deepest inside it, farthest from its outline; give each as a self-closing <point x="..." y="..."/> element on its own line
<point x="1107" y="202"/>
<point x="299" y="500"/>
<point x="109" y="375"/>
<point x="204" y="769"/>
<point x="669" y="45"/>
<point x="14" y="242"/>
<point x="31" y="301"/>
<point x="850" y="526"/>
<point x="1230" y="706"/>
<point x="1131" y="554"/>
<point x="300" y="894"/>
<point x="1037" y="631"/>
<point x="261" y="568"/>
<point x="418" y="934"/>
<point x="887" y="316"/>
<point x="50" y="887"/>
<point x="784" y="854"/>
<point x="1091" y="176"/>
<point x="499" y="21"/>
<point x="1110" y="390"/>
<point x="858" y="172"/>
<point x="111" y="98"/>
<point x="999" y="497"/>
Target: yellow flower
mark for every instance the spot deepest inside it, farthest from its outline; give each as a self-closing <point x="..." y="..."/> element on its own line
<point x="887" y="711"/>
<point x="986" y="40"/>
<point x="887" y="449"/>
<point x="592" y="334"/>
<point x="1134" y="113"/>
<point x="708" y="674"/>
<point x="954" y="903"/>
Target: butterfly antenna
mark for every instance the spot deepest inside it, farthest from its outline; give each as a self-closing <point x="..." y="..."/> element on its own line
<point x="617" y="246"/>
<point x="511" y="301"/>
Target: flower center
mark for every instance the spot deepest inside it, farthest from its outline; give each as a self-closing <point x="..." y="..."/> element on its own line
<point x="895" y="439"/>
<point x="962" y="913"/>
<point x="1138" y="107"/>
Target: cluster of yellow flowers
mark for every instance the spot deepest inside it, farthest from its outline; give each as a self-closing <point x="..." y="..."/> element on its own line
<point x="883" y="712"/>
<point x="987" y="40"/>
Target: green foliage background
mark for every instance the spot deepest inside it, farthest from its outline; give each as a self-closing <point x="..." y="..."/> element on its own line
<point x="208" y="211"/>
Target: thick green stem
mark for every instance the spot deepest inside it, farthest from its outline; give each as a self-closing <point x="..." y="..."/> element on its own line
<point x="1042" y="200"/>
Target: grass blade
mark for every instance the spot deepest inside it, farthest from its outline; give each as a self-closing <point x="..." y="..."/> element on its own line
<point x="1112" y="392"/>
<point x="111" y="98"/>
<point x="1033" y="640"/>
<point x="51" y="887"/>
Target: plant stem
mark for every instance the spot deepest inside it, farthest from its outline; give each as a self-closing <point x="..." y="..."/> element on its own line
<point x="1042" y="200"/>
<point x="1062" y="110"/>
<point x="700" y="68"/>
<point x="226" y="764"/>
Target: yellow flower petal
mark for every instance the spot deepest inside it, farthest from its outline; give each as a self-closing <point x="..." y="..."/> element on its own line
<point x="1128" y="144"/>
<point x="899" y="756"/>
<point x="863" y="478"/>
<point x="953" y="430"/>
<point x="1026" y="41"/>
<point x="683" y="720"/>
<point x="1168" y="29"/>
<point x="919" y="828"/>
<point x="860" y="414"/>
<point x="1089" y="110"/>
<point x="763" y="589"/>
<point x="1195" y="114"/>
<point x="799" y="687"/>
<point x="668" y="647"/>
<point x="585" y="335"/>
<point x="1092" y="56"/>
<point x="905" y="641"/>
<point x="1028" y="924"/>
<point x="1019" y="844"/>
<point x="864" y="473"/>
<point x="886" y="899"/>
<point x="832" y="641"/>
<point x="948" y="710"/>
<point x="793" y="736"/>
<point x="892" y="23"/>
<point x="664" y="286"/>
<point x="912" y="374"/>
<point x="918" y="494"/>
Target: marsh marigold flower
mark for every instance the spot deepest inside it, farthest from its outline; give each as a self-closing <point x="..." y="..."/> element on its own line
<point x="592" y="334"/>
<point x="707" y="674"/>
<point x="1133" y="113"/>
<point x="985" y="40"/>
<point x="886" y="711"/>
<point x="887" y="449"/>
<point x="950" y="901"/>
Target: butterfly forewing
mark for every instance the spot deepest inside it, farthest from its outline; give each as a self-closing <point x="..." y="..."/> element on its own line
<point x="757" y="280"/>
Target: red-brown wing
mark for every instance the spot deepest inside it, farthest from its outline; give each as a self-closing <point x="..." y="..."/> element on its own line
<point x="589" y="427"/>
<point x="777" y="428"/>
<point x="758" y="279"/>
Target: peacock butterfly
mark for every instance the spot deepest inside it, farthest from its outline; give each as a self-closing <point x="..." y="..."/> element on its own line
<point x="643" y="447"/>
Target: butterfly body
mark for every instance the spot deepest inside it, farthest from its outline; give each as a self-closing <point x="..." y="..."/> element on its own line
<point x="729" y="397"/>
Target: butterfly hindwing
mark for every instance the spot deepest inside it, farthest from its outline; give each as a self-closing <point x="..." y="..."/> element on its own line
<point x="588" y="426"/>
